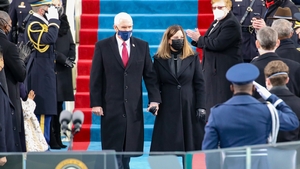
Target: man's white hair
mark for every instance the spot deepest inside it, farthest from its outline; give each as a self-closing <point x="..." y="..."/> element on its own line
<point x="122" y="16"/>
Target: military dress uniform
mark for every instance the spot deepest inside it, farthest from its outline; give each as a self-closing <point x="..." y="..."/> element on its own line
<point x="41" y="77"/>
<point x="18" y="11"/>
<point x="239" y="7"/>
<point x="243" y="120"/>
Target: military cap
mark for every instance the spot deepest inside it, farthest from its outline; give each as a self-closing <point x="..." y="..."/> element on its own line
<point x="4" y="3"/>
<point x="39" y="2"/>
<point x="242" y="73"/>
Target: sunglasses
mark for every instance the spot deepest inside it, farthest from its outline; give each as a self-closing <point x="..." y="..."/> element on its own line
<point x="219" y="7"/>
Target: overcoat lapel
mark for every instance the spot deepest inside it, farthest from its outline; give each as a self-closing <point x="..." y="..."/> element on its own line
<point x="133" y="53"/>
<point x="184" y="64"/>
<point x="115" y="50"/>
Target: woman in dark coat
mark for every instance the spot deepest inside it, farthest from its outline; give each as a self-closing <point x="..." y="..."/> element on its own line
<point x="221" y="50"/>
<point x="177" y="127"/>
<point x="65" y="56"/>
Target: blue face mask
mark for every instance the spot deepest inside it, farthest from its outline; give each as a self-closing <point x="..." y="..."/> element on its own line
<point x="125" y="35"/>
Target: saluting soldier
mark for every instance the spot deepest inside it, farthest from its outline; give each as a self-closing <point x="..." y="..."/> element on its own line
<point x="42" y="30"/>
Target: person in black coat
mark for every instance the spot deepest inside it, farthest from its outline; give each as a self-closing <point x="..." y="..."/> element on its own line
<point x="286" y="49"/>
<point x="119" y="64"/>
<point x="276" y="73"/>
<point x="15" y="71"/>
<point x="221" y="49"/>
<point x="41" y="76"/>
<point x="18" y="11"/>
<point x="9" y="136"/>
<point x="181" y="114"/>
<point x="65" y="57"/>
<point x="267" y="42"/>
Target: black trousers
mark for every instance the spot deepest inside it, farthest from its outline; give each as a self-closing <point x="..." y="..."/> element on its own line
<point x="123" y="162"/>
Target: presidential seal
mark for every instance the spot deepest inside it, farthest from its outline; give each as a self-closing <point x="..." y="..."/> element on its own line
<point x="71" y="163"/>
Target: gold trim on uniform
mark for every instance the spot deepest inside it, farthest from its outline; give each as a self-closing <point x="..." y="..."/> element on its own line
<point x="42" y="123"/>
<point x="37" y="45"/>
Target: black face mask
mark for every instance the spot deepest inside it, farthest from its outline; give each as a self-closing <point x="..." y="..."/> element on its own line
<point x="177" y="44"/>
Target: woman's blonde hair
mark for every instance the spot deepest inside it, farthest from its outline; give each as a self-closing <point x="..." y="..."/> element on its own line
<point x="164" y="50"/>
<point x="228" y="3"/>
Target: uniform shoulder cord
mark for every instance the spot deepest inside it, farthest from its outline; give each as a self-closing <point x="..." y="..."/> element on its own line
<point x="37" y="45"/>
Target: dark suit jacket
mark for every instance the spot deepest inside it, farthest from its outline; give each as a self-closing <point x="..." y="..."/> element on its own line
<point x="293" y="101"/>
<point x="15" y="72"/>
<point x="221" y="50"/>
<point x="294" y="74"/>
<point x="118" y="90"/>
<point x="288" y="50"/>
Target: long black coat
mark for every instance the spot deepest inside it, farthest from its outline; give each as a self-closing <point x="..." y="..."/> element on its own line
<point x="221" y="50"/>
<point x="294" y="74"/>
<point x="288" y="50"/>
<point x="176" y="127"/>
<point x="41" y="76"/>
<point x="9" y="135"/>
<point x="65" y="47"/>
<point x="118" y="91"/>
<point x="293" y="101"/>
<point x="15" y="72"/>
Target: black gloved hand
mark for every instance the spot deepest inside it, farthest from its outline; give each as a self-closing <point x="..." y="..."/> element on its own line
<point x="200" y="114"/>
<point x="69" y="63"/>
<point x="25" y="50"/>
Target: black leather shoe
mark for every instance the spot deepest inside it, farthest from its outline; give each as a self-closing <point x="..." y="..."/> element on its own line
<point x="55" y="146"/>
<point x="62" y="146"/>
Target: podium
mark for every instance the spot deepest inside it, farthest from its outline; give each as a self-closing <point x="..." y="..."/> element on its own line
<point x="72" y="159"/>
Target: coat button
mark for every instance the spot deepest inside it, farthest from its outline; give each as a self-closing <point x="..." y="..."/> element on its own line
<point x="125" y="100"/>
<point x="15" y="128"/>
<point x="126" y="87"/>
<point x="125" y="74"/>
<point x="124" y="115"/>
<point x="17" y="144"/>
<point x="178" y="87"/>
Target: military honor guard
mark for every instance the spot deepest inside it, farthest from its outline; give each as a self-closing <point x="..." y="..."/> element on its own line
<point x="42" y="30"/>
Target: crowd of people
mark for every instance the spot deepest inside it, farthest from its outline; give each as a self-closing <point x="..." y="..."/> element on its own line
<point x="250" y="65"/>
<point x="37" y="57"/>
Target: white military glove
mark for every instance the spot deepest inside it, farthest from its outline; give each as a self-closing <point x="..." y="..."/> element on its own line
<point x="52" y="13"/>
<point x="264" y="93"/>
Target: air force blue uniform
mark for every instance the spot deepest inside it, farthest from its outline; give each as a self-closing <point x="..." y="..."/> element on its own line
<point x="243" y="120"/>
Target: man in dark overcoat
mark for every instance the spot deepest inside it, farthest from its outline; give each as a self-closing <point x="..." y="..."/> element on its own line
<point x="276" y="73"/>
<point x="286" y="49"/>
<point x="15" y="72"/>
<point x="266" y="47"/>
<point x="41" y="76"/>
<point x="119" y="64"/>
<point x="9" y="135"/>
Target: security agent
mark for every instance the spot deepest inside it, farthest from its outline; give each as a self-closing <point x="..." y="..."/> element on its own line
<point x="243" y="120"/>
<point x="42" y="31"/>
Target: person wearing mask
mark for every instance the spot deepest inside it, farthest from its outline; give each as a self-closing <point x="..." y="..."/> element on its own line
<point x="14" y="71"/>
<point x="267" y="42"/>
<point x="119" y="64"/>
<point x="65" y="57"/>
<point x="243" y="120"/>
<point x="221" y="49"/>
<point x="286" y="49"/>
<point x="42" y="30"/>
<point x="181" y="115"/>
<point x="277" y="76"/>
